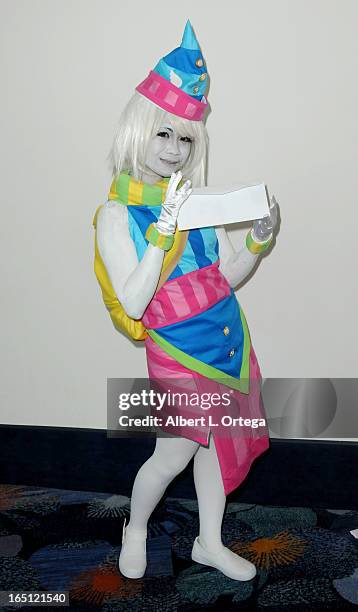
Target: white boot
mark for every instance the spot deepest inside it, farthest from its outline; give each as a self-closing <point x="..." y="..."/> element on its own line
<point x="225" y="560"/>
<point x="132" y="560"/>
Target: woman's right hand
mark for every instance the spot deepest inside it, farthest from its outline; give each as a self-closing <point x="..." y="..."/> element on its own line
<point x="167" y="220"/>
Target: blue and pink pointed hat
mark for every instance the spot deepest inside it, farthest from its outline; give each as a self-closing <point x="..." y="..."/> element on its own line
<point x="179" y="80"/>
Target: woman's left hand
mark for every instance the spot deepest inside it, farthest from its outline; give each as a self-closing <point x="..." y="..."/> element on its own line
<point x="263" y="228"/>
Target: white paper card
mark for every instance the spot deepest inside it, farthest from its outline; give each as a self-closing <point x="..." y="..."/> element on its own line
<point x="207" y="206"/>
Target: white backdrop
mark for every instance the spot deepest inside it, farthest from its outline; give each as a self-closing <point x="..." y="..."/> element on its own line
<point x="284" y="101"/>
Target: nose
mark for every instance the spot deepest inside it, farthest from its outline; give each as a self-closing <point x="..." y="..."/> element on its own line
<point x="173" y="146"/>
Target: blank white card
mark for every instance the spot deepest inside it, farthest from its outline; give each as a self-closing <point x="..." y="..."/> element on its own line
<point x="207" y="206"/>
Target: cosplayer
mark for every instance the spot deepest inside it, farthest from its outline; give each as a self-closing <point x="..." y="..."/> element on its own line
<point x="174" y="290"/>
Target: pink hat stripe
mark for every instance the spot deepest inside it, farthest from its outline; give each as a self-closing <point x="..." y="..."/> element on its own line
<point x="172" y="99"/>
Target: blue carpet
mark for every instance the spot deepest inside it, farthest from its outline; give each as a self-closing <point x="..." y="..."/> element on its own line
<point x="54" y="539"/>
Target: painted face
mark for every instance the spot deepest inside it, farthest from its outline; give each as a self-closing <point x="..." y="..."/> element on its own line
<point x="167" y="152"/>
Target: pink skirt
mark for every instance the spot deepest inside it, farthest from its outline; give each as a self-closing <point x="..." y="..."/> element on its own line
<point x="236" y="420"/>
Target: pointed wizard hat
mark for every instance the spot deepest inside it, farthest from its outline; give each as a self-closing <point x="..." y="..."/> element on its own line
<point x="179" y="80"/>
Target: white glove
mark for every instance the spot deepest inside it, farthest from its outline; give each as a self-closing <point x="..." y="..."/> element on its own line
<point x="167" y="220"/>
<point x="263" y="228"/>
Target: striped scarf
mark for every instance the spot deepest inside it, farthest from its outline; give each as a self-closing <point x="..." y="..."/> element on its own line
<point x="129" y="192"/>
<point x="126" y="190"/>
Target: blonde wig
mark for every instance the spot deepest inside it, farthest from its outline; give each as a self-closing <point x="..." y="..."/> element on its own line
<point x="139" y="123"/>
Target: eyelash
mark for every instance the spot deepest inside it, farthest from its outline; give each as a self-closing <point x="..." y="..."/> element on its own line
<point x="184" y="138"/>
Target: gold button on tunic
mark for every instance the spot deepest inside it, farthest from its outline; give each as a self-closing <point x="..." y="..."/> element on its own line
<point x="226" y="330"/>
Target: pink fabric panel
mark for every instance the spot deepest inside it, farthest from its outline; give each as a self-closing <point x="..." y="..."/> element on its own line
<point x="186" y="296"/>
<point x="176" y="297"/>
<point x="199" y="293"/>
<point x="236" y="447"/>
<point x="190" y="297"/>
<point x="210" y="289"/>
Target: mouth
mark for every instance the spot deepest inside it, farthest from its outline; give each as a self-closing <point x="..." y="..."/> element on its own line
<point x="171" y="163"/>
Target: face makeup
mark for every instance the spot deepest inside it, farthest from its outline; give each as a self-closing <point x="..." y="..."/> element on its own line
<point x="167" y="152"/>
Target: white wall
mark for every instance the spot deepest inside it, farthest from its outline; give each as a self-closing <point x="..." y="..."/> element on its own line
<point x="284" y="99"/>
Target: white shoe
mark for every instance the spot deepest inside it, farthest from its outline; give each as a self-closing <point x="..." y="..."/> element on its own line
<point x="132" y="560"/>
<point x="226" y="561"/>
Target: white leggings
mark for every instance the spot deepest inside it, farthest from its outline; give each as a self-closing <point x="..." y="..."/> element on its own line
<point x="170" y="457"/>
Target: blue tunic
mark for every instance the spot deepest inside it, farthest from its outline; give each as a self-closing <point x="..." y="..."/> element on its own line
<point x="200" y="336"/>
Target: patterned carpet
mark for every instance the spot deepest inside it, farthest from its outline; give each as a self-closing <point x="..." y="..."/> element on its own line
<point x="53" y="540"/>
